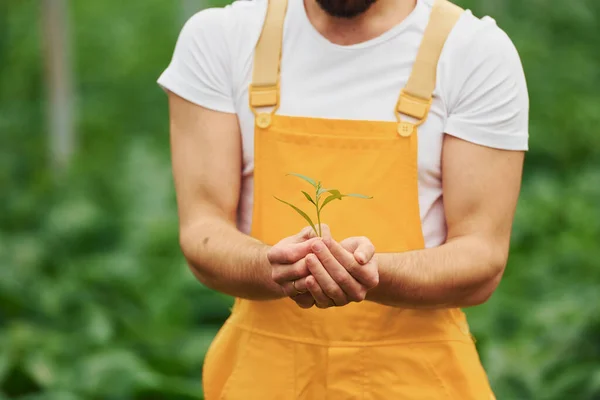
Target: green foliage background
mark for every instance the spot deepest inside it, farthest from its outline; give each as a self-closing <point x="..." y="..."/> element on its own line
<point x="95" y="300"/>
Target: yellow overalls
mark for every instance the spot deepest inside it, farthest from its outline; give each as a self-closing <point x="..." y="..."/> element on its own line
<point x="274" y="350"/>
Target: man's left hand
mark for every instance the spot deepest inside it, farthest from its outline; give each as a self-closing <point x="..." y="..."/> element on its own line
<point x="341" y="272"/>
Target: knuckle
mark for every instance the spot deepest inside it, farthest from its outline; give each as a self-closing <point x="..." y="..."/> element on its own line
<point x="331" y="289"/>
<point x="276" y="275"/>
<point x="354" y="298"/>
<point x="341" y="303"/>
<point x="325" y="257"/>
<point x="272" y="254"/>
<point x="299" y="270"/>
<point x="353" y="268"/>
<point x="374" y="281"/>
<point x="358" y="293"/>
<point x="369" y="281"/>
<point x="343" y="280"/>
<point x="361" y="295"/>
<point x="370" y="249"/>
<point x="337" y="294"/>
<point x="373" y="275"/>
<point x="289" y="256"/>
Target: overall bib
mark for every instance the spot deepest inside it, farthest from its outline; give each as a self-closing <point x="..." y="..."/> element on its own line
<point x="274" y="350"/>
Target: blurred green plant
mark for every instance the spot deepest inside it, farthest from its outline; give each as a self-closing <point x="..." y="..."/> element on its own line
<point x="96" y="301"/>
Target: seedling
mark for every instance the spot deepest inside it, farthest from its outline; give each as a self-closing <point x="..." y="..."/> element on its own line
<point x="333" y="194"/>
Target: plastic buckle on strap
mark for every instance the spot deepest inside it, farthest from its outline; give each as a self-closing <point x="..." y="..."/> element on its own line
<point x="414" y="107"/>
<point x="263" y="96"/>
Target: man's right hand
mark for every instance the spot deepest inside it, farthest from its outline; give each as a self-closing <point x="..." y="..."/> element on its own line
<point x="288" y="262"/>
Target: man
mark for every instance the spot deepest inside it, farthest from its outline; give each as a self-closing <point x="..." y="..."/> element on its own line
<point x="416" y="103"/>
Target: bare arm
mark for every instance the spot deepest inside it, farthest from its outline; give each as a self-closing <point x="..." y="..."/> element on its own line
<point x="481" y="186"/>
<point x="207" y="163"/>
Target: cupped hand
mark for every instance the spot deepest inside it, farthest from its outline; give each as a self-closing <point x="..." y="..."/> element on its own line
<point x="288" y="264"/>
<point x="340" y="273"/>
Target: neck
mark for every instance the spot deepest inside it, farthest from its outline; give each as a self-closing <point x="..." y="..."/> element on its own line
<point x="379" y="18"/>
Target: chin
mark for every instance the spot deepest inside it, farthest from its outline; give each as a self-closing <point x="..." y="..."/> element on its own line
<point x="345" y="8"/>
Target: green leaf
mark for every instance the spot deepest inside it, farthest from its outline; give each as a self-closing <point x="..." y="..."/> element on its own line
<point x="330" y="199"/>
<point x="306" y="178"/>
<point x="335" y="194"/>
<point x="322" y="190"/>
<point x="308" y="197"/>
<point x="360" y="196"/>
<point x="302" y="213"/>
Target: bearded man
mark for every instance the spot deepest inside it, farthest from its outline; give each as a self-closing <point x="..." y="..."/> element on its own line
<point x="416" y="103"/>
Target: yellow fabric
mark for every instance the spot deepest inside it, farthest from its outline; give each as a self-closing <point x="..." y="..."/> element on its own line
<point x="274" y="350"/>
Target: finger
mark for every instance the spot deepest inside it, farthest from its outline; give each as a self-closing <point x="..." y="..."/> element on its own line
<point x="304" y="300"/>
<point x="325" y="231"/>
<point x="282" y="273"/>
<point x="289" y="253"/>
<point x="371" y="273"/>
<point x="295" y="288"/>
<point x="365" y="273"/>
<point x="306" y="233"/>
<point x="365" y="251"/>
<point x="326" y="283"/>
<point x="321" y="300"/>
<point x="339" y="263"/>
<point x="361" y="247"/>
<point x="350" y="244"/>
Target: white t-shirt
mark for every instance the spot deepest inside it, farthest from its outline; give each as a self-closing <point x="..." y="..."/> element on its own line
<point x="481" y="94"/>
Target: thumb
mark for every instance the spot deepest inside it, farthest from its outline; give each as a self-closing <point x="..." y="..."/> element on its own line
<point x="361" y="247"/>
<point x="306" y="233"/>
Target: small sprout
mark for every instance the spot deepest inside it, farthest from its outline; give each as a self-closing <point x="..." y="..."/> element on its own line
<point x="321" y="193"/>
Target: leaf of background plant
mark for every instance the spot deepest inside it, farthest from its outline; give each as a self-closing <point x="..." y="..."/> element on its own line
<point x="302" y="213"/>
<point x="41" y="368"/>
<point x="115" y="372"/>
<point x="5" y="364"/>
<point x="50" y="395"/>
<point x="308" y="197"/>
<point x="306" y="178"/>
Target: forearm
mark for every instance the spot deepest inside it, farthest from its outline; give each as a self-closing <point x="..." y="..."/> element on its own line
<point x="226" y="260"/>
<point x="461" y="273"/>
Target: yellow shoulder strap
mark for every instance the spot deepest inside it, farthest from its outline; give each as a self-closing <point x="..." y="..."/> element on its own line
<point x="415" y="99"/>
<point x="264" y="90"/>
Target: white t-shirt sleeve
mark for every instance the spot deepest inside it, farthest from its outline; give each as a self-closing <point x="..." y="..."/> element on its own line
<point x="488" y="103"/>
<point x="200" y="70"/>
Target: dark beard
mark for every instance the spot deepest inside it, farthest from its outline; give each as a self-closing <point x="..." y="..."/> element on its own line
<point x="345" y="8"/>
